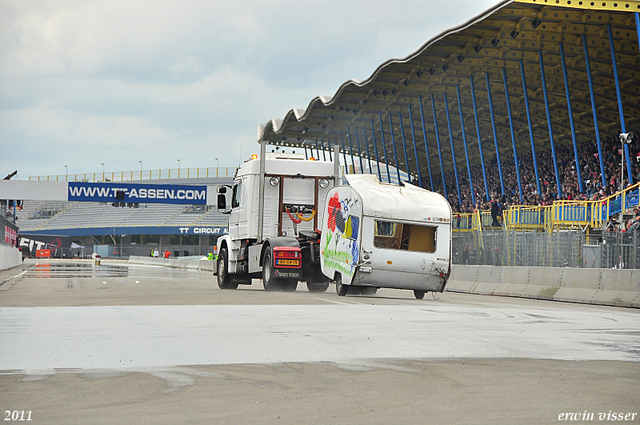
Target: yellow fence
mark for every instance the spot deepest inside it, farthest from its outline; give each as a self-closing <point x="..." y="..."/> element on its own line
<point x="123" y="176"/>
<point x="582" y="215"/>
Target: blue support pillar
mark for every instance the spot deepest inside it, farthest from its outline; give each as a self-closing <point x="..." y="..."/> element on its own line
<point x="435" y="123"/>
<point x="415" y="147"/>
<point x="513" y="135"/>
<point x="533" y="145"/>
<point x="466" y="149"/>
<point x="623" y="127"/>
<point x="375" y="148"/>
<point x="384" y="147"/>
<point x="395" y="154"/>
<point x="353" y="164"/>
<point x="495" y="134"/>
<point x="638" y="27"/>
<point x="359" y="152"/>
<point x="366" y="145"/>
<point x="475" y="115"/>
<point x="546" y="104"/>
<point x="344" y="154"/>
<point x="453" y="151"/>
<point x="426" y="147"/>
<point x="570" y="110"/>
<point x="404" y="146"/>
<point x="603" y="175"/>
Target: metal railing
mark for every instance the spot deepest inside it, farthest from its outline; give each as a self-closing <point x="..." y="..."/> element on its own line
<point x="124" y="176"/>
<point x="564" y="248"/>
<point x="579" y="215"/>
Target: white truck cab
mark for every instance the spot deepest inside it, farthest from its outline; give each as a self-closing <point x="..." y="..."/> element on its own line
<point x="274" y="207"/>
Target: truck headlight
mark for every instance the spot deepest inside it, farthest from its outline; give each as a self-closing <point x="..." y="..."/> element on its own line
<point x="274" y="181"/>
<point x="324" y="183"/>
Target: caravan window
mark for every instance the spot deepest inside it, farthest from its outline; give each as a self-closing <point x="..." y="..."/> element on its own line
<point x="407" y="237"/>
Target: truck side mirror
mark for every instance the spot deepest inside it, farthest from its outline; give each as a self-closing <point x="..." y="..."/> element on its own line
<point x="223" y="201"/>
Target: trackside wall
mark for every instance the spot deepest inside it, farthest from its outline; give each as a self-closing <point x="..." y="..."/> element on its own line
<point x="9" y="257"/>
<point x="591" y="286"/>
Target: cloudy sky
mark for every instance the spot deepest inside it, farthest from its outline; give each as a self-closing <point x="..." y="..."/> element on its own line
<point x="118" y="82"/>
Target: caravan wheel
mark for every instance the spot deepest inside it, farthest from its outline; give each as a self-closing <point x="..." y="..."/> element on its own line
<point x="418" y="294"/>
<point x="341" y="289"/>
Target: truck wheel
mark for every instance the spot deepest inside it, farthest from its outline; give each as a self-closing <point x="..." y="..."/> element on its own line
<point x="224" y="281"/>
<point x="289" y="285"/>
<point x="268" y="281"/>
<point x="418" y="294"/>
<point x="317" y="286"/>
<point x="341" y="289"/>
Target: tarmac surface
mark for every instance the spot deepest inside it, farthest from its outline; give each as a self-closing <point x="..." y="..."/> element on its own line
<point x="119" y="344"/>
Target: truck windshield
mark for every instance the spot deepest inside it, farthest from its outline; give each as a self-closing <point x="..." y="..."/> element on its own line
<point x="408" y="237"/>
<point x="237" y="195"/>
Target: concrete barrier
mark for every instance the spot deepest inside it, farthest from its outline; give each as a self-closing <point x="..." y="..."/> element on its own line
<point x="487" y="279"/>
<point x="619" y="287"/>
<point x="461" y="279"/>
<point x="580" y="285"/>
<point x="9" y="257"/>
<point x="592" y="286"/>
<point x="206" y="265"/>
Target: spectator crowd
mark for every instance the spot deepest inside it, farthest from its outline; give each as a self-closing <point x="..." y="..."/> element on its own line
<point x="590" y="172"/>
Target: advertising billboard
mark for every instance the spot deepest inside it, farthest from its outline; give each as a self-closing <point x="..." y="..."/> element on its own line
<point x="138" y="193"/>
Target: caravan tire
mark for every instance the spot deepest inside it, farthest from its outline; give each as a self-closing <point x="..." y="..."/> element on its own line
<point x="341" y="289"/>
<point x="418" y="294"/>
<point x="368" y="290"/>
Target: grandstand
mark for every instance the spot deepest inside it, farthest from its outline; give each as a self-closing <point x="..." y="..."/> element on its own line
<point x="522" y="107"/>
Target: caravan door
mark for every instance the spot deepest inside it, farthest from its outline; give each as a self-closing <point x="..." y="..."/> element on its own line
<point x="341" y="233"/>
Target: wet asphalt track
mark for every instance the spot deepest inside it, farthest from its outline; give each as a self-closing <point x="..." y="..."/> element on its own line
<point x="167" y="332"/>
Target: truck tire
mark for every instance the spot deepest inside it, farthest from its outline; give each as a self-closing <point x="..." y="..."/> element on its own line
<point x="268" y="281"/>
<point x="289" y="285"/>
<point x="317" y="286"/>
<point x="224" y="281"/>
<point x="341" y="289"/>
<point x="418" y="294"/>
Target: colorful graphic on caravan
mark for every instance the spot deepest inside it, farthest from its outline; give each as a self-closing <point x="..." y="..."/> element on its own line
<point x="138" y="193"/>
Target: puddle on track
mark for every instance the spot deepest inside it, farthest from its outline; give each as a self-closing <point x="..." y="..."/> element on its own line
<point x="65" y="270"/>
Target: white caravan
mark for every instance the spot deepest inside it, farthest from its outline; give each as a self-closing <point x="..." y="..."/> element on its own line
<point x="377" y="235"/>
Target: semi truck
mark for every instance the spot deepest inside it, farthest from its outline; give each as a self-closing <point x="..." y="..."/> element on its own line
<point x="292" y="220"/>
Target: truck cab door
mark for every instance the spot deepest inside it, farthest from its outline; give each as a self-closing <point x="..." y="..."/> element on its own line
<point x="237" y="211"/>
